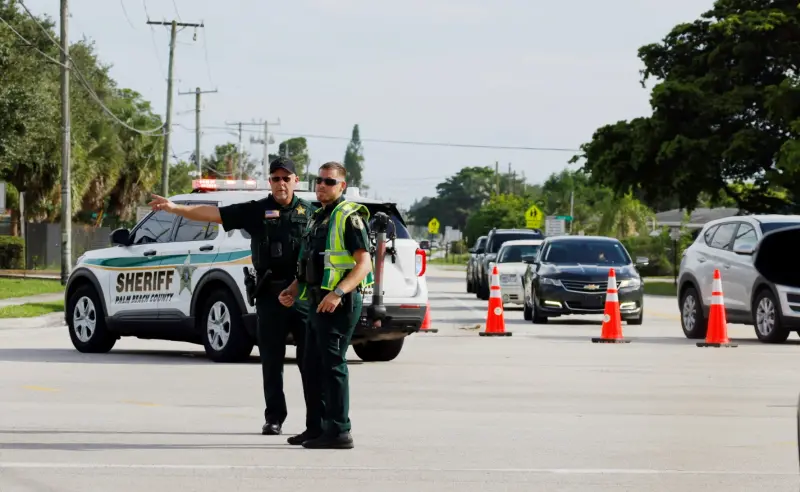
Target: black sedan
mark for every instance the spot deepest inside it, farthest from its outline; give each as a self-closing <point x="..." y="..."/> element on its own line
<point x="570" y="276"/>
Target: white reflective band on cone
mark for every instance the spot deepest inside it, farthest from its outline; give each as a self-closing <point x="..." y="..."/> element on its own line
<point x="716" y="292"/>
<point x="612" y="297"/>
<point x="495" y="293"/>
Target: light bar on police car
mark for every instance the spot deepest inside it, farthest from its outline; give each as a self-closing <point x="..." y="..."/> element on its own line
<point x="237" y="185"/>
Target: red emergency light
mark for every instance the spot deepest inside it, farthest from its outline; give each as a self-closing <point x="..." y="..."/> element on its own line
<point x="236" y="185"/>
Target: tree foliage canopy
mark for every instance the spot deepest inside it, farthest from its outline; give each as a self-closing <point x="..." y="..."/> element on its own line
<point x="726" y="113"/>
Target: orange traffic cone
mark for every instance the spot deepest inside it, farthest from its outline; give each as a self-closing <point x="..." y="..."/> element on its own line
<point x="426" y="322"/>
<point x="495" y="322"/>
<point x="717" y="333"/>
<point x="612" y="320"/>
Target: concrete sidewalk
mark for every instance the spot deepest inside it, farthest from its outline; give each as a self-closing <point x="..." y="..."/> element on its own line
<point x="18" y="301"/>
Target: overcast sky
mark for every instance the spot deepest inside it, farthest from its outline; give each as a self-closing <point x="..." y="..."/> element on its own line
<point x="522" y="73"/>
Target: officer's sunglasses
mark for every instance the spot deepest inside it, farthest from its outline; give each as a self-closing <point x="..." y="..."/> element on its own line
<point x="278" y="179"/>
<point x="328" y="181"/>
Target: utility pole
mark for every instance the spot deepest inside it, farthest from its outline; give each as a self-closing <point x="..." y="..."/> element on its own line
<point x="497" y="178"/>
<point x="197" y="154"/>
<point x="66" y="199"/>
<point x="510" y="182"/>
<point x="265" y="142"/>
<point x="174" y="25"/>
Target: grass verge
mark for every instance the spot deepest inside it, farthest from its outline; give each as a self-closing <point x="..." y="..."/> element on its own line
<point x="660" y="289"/>
<point x="31" y="310"/>
<point x="23" y="287"/>
<point x="456" y="260"/>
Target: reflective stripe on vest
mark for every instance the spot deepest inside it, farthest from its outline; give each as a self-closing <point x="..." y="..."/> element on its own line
<point x="337" y="260"/>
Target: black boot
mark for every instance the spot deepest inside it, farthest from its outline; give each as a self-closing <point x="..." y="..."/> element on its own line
<point x="306" y="435"/>
<point x="339" y="441"/>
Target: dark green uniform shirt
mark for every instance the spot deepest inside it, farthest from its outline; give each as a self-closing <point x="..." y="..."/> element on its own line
<point x="356" y="237"/>
<point x="275" y="231"/>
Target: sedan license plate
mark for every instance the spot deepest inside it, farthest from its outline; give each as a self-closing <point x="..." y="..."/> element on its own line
<point x="508" y="278"/>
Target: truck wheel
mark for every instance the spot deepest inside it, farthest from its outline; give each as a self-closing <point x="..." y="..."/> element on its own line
<point x="379" y="351"/>
<point x="470" y="288"/>
<point x="87" y="322"/>
<point x="220" y="322"/>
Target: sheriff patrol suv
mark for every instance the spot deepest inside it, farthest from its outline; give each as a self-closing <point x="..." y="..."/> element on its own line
<point x="170" y="278"/>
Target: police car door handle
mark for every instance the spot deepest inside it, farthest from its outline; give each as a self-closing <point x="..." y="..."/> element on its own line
<point x="207" y="247"/>
<point x="150" y="252"/>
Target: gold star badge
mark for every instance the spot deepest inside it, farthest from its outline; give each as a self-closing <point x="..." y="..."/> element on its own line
<point x="301" y="210"/>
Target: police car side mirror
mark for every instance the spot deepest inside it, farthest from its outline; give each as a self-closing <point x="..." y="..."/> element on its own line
<point x="121" y="237"/>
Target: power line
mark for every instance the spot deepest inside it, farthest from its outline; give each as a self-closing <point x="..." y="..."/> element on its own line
<point x="420" y="143"/>
<point x="74" y="69"/>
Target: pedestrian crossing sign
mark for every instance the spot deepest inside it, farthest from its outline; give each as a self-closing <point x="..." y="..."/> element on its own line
<point x="534" y="218"/>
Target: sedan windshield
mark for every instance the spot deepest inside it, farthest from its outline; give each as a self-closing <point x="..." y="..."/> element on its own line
<point x="514" y="254"/>
<point x="587" y="253"/>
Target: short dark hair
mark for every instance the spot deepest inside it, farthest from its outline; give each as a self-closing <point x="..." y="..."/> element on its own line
<point x="338" y="167"/>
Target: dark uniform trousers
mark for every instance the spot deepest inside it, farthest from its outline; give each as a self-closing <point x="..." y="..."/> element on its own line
<point x="328" y="337"/>
<point x="275" y="322"/>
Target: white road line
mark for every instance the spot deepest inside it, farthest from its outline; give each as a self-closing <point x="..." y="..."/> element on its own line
<point x="538" y="471"/>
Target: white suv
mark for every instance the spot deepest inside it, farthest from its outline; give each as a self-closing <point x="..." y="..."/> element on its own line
<point x="728" y="245"/>
<point x="170" y="278"/>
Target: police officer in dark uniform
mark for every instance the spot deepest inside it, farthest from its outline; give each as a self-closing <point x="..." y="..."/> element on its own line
<point x="335" y="266"/>
<point x="275" y="225"/>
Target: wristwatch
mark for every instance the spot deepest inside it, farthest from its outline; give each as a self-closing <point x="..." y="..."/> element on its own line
<point x="338" y="291"/>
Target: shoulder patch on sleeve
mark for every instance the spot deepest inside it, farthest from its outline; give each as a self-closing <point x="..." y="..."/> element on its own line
<point x="357" y="222"/>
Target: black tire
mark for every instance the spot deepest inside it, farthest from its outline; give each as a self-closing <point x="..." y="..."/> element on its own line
<point x="764" y="304"/>
<point x="229" y="321"/>
<point x="536" y="318"/>
<point x="379" y="351"/>
<point x="693" y="318"/>
<point x="527" y="312"/>
<point x="94" y="336"/>
<point x="636" y="321"/>
<point x="470" y="288"/>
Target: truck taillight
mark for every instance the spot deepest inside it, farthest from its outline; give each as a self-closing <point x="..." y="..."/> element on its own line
<point x="421" y="262"/>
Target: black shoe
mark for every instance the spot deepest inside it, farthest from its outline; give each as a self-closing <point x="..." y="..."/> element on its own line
<point x="340" y="441"/>
<point x="271" y="429"/>
<point x="303" y="437"/>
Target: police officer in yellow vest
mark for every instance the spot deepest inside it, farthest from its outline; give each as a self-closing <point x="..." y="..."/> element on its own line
<point x="335" y="266"/>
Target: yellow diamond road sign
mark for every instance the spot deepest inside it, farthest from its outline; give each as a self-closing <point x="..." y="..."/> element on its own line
<point x="433" y="226"/>
<point x="534" y="218"/>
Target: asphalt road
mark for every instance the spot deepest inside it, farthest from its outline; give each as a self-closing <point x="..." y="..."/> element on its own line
<point x="544" y="409"/>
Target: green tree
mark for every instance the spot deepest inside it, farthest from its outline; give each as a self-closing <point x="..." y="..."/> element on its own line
<point x="457" y="198"/>
<point x="297" y="150"/>
<point x="501" y="211"/>
<point x="224" y="163"/>
<point x="354" y="159"/>
<point x="726" y="113"/>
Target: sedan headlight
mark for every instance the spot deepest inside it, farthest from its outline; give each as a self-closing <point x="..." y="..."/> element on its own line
<point x="549" y="281"/>
<point x="630" y="283"/>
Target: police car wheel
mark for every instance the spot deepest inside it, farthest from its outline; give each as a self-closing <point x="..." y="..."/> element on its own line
<point x="87" y="322"/>
<point x="220" y="322"/>
<point x="379" y="351"/>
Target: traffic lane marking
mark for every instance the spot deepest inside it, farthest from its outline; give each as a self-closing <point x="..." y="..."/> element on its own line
<point x="40" y="388"/>
<point x="532" y="471"/>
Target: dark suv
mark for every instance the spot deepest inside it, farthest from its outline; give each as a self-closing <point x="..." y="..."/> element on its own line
<point x="472" y="263"/>
<point x="485" y="261"/>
